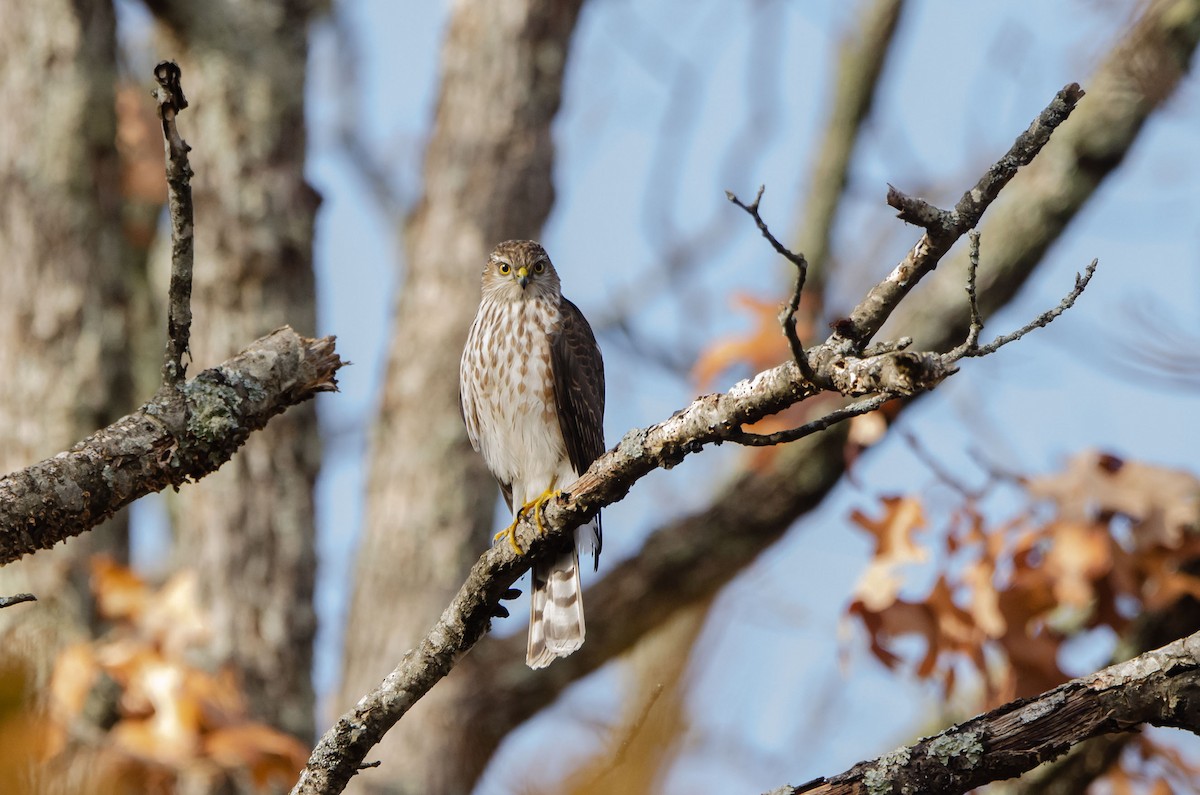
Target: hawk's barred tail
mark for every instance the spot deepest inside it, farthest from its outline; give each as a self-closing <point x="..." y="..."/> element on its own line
<point x="555" y="611"/>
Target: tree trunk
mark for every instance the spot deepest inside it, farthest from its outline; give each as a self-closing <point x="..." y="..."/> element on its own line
<point x="63" y="336"/>
<point x="430" y="499"/>
<point x="249" y="528"/>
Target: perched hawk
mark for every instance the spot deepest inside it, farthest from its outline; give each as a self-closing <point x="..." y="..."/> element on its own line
<point x="531" y="382"/>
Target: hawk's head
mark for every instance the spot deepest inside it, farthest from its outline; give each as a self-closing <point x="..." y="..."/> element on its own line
<point x="519" y="270"/>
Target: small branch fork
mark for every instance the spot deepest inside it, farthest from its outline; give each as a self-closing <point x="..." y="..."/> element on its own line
<point x="171" y="101"/>
<point x="847" y="362"/>
<point x="787" y="316"/>
<point x="896" y="372"/>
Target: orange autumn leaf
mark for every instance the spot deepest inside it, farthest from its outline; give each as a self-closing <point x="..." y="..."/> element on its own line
<point x="762" y="347"/>
<point x="1080" y="554"/>
<point x="269" y="754"/>
<point x="120" y="594"/>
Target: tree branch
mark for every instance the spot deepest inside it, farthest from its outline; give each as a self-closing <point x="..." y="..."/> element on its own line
<point x="692" y="557"/>
<point x="1161" y="687"/>
<point x="944" y="228"/>
<point x="171" y="101"/>
<point x="709" y="419"/>
<point x="185" y="432"/>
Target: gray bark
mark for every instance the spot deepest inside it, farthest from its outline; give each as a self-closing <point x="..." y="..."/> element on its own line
<point x="63" y="335"/>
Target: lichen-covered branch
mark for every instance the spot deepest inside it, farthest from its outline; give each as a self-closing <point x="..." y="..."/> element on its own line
<point x="184" y="432"/>
<point x="1161" y="688"/>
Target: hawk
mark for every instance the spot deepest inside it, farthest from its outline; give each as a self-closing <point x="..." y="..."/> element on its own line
<point x="531" y="383"/>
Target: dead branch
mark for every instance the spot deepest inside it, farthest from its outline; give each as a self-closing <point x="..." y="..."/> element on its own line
<point x="1160" y="687"/>
<point x="171" y="101"/>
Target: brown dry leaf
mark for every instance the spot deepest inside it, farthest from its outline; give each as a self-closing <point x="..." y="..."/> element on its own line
<point x="74" y="673"/>
<point x="867" y="429"/>
<point x="1163" y="503"/>
<point x="893" y="532"/>
<point x="1079" y="555"/>
<point x="762" y="347"/>
<point x="220" y="697"/>
<point x="269" y="754"/>
<point x="120" y="594"/>
<point x="979" y="577"/>
<point x="900" y="618"/>
<point x="175" y="618"/>
<point x="171" y="735"/>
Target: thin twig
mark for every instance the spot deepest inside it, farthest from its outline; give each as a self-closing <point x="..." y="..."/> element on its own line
<point x="16" y="599"/>
<point x="869" y="315"/>
<point x="816" y="426"/>
<point x="976" y="326"/>
<point x="787" y="317"/>
<point x="1041" y="321"/>
<point x="179" y="199"/>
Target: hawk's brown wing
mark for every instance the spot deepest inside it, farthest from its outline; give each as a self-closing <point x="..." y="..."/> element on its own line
<point x="579" y="390"/>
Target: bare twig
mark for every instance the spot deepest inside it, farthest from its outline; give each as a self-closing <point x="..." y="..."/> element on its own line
<point x="976" y="327"/>
<point x="816" y="426"/>
<point x="16" y="599"/>
<point x="179" y="199"/>
<point x="787" y="317"/>
<point x="1041" y="321"/>
<point x="939" y="237"/>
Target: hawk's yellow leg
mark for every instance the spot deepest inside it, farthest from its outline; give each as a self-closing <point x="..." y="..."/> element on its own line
<point x="537" y="504"/>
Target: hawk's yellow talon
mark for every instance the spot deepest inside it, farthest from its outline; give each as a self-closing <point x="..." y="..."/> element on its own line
<point x="537" y="505"/>
<point x="540" y="505"/>
<point x="511" y="532"/>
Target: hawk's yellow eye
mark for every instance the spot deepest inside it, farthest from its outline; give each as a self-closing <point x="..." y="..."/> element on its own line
<point x="505" y="268"/>
<point x="538" y="267"/>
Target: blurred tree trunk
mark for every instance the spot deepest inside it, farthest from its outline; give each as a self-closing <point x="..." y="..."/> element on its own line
<point x="248" y="529"/>
<point x="63" y="334"/>
<point x="430" y="499"/>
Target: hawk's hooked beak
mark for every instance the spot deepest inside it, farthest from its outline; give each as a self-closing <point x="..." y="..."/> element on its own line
<point x="523" y="277"/>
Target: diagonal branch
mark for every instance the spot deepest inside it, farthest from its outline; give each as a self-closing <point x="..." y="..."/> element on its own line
<point x="710" y="419"/>
<point x="693" y="557"/>
<point x="180" y="434"/>
<point x="1160" y="687"/>
<point x="944" y="228"/>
